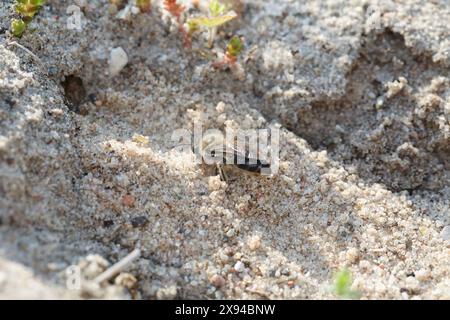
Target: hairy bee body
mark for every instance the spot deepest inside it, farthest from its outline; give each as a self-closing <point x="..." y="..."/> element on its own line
<point x="216" y="152"/>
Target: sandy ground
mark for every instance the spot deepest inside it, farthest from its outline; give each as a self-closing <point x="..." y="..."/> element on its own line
<point x="360" y="90"/>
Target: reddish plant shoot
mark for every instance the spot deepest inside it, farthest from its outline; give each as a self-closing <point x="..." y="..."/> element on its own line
<point x="176" y="10"/>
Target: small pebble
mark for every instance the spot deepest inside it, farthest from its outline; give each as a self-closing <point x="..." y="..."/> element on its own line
<point x="380" y="102"/>
<point x="135" y="10"/>
<point x="168" y="293"/>
<point x="56" y="112"/>
<point x="128" y="200"/>
<point x="230" y="233"/>
<point x="239" y="267"/>
<point x="352" y="255"/>
<point x="220" y="108"/>
<point x="254" y="243"/>
<point x="445" y="233"/>
<point x="126" y="280"/>
<point x="117" y="61"/>
<point x="139" y="221"/>
<point x="223" y="257"/>
<point x="217" y="281"/>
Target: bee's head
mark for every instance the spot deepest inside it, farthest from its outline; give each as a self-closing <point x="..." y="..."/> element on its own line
<point x="211" y="139"/>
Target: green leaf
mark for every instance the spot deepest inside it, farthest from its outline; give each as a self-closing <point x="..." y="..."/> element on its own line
<point x="342" y="285"/>
<point x="18" y="27"/>
<point x="29" y="8"/>
<point x="235" y="46"/>
<point x="214" y="21"/>
<point x="216" y="8"/>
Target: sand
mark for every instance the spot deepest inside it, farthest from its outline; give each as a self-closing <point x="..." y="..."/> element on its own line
<point x="359" y="89"/>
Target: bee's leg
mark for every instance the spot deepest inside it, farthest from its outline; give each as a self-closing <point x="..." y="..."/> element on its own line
<point x="208" y="170"/>
<point x="223" y="175"/>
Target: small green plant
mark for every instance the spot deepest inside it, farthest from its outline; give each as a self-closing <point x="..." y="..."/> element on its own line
<point x="218" y="14"/>
<point x="217" y="17"/>
<point x="18" y="27"/>
<point x="234" y="49"/>
<point x="27" y="10"/>
<point x="342" y="283"/>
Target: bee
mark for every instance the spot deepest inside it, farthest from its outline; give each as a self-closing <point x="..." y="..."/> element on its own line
<point x="216" y="153"/>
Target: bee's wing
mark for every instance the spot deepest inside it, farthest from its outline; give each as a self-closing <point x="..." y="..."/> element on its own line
<point x="228" y="154"/>
<point x="231" y="155"/>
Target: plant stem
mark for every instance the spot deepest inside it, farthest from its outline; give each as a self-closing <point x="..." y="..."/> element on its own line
<point x="212" y="36"/>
